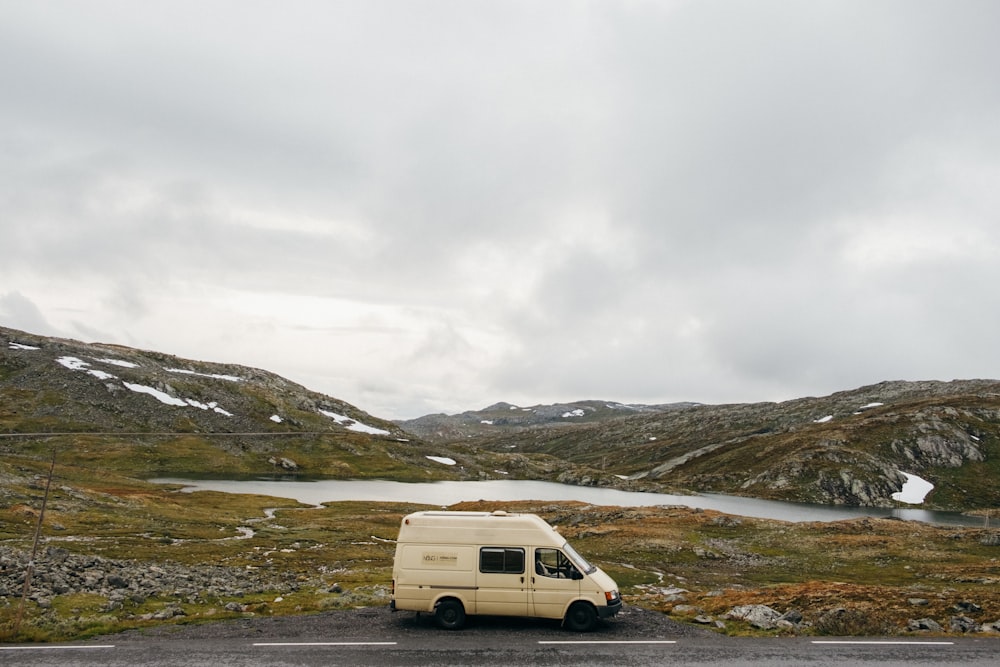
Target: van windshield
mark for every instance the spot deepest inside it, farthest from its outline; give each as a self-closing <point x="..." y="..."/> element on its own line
<point x="577" y="559"/>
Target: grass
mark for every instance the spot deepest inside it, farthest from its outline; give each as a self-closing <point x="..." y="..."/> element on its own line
<point x="869" y="567"/>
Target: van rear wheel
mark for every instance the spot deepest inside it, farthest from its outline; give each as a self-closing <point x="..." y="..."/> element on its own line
<point x="581" y="617"/>
<point x="450" y="614"/>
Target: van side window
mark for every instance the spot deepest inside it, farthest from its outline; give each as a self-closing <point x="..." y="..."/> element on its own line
<point x="501" y="559"/>
<point x="554" y="563"/>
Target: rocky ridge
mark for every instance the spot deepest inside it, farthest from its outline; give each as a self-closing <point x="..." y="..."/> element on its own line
<point x="851" y="448"/>
<point x="848" y="448"/>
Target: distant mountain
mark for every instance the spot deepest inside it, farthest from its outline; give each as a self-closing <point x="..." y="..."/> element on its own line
<point x="851" y="447"/>
<point x="144" y="414"/>
<point x="511" y="419"/>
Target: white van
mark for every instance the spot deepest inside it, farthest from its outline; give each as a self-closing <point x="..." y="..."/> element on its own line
<point x="461" y="563"/>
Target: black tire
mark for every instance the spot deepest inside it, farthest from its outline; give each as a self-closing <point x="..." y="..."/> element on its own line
<point x="581" y="617"/>
<point x="450" y="614"/>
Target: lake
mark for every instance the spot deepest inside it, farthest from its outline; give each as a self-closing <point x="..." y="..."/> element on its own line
<point x="447" y="493"/>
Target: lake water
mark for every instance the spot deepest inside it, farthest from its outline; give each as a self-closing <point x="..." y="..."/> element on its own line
<point x="448" y="493"/>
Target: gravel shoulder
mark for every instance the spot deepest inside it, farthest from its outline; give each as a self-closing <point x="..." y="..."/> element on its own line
<point x="369" y="622"/>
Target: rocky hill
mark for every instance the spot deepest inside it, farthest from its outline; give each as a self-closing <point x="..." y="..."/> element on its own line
<point x="145" y="414"/>
<point x="851" y="447"/>
<point x="511" y="419"/>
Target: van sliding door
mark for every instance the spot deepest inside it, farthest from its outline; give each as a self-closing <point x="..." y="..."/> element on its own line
<point x="501" y="583"/>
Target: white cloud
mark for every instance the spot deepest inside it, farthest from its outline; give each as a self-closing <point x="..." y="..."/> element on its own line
<point x="435" y="206"/>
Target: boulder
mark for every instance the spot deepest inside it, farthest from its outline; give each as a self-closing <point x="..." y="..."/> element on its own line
<point x="964" y="624"/>
<point x="924" y="625"/>
<point x="759" y="616"/>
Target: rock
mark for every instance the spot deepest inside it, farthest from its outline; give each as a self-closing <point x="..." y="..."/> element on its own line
<point x="167" y="613"/>
<point x="924" y="625"/>
<point x="759" y="616"/>
<point x="792" y="616"/>
<point x="727" y="521"/>
<point x="704" y="619"/>
<point x="918" y="602"/>
<point x="283" y="463"/>
<point x="60" y="572"/>
<point x="685" y="609"/>
<point x="964" y="624"/>
<point x="990" y="540"/>
<point x="966" y="607"/>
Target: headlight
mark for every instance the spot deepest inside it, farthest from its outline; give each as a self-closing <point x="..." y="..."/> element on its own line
<point x="611" y="596"/>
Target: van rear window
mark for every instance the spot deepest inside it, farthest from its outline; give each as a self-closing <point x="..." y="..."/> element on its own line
<point x="501" y="560"/>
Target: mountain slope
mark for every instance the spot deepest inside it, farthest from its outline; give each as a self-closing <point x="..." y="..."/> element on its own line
<point x="847" y="448"/>
<point x="147" y="414"/>
<point x="507" y="418"/>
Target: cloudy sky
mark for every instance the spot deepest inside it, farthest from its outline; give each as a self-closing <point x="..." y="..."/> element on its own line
<point x="431" y="206"/>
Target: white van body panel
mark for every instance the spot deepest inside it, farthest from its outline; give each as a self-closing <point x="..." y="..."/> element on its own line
<point x="494" y="563"/>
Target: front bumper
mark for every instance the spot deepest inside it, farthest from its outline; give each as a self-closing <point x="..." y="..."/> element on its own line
<point x="613" y="608"/>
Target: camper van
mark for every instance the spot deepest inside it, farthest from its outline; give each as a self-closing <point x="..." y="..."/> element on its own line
<point x="454" y="564"/>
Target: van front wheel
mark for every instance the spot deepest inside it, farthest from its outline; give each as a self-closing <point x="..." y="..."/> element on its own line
<point x="450" y="614"/>
<point x="581" y="617"/>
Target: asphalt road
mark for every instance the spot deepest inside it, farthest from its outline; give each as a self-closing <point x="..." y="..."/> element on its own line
<point x="468" y="649"/>
<point x="376" y="637"/>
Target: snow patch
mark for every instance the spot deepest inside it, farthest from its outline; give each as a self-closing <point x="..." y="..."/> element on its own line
<point x="870" y="405"/>
<point x="823" y="420"/>
<point x="231" y="378"/>
<point x="353" y="424"/>
<point x="443" y="460"/>
<point x="914" y="490"/>
<point x="22" y="346"/>
<point x="118" y="362"/>
<point x="276" y="419"/>
<point x="76" y="364"/>
<point x="167" y="399"/>
<point x="573" y="413"/>
<point x="488" y="422"/>
<point x="161" y="396"/>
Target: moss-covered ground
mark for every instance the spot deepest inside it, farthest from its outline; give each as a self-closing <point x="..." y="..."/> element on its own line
<point x="341" y="555"/>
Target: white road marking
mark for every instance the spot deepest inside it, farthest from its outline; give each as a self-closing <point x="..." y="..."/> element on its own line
<point x="55" y="648"/>
<point x="610" y="641"/>
<point x="324" y="643"/>
<point x="877" y="642"/>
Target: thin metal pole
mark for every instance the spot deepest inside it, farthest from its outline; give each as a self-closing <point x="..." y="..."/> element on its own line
<point x="34" y="548"/>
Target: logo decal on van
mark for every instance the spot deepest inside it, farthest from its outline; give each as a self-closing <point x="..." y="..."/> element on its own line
<point x="441" y="558"/>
